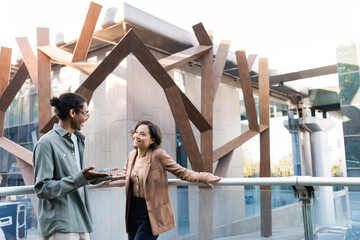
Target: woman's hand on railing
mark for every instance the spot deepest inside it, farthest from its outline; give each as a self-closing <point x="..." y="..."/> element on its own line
<point x="210" y="178"/>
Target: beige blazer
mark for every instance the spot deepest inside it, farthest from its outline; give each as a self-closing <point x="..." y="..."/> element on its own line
<point x="156" y="189"/>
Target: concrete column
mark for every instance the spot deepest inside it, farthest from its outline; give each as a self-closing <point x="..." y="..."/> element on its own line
<point x="324" y="202"/>
<point x="305" y="152"/>
<point x="301" y="146"/>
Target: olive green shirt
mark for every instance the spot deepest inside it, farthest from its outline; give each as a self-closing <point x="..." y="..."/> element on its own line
<point x="61" y="208"/>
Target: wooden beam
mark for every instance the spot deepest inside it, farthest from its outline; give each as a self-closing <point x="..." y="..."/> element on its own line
<point x="64" y="57"/>
<point x="251" y="60"/>
<point x="206" y="209"/>
<point x="27" y="171"/>
<point x="2" y="120"/>
<point x="207" y="94"/>
<point x="182" y="121"/>
<point x="263" y="128"/>
<point x="265" y="167"/>
<point x="207" y="102"/>
<point x="195" y="116"/>
<point x="129" y="43"/>
<point x="233" y="144"/>
<point x="202" y="35"/>
<point x="183" y="57"/>
<point x="314" y="72"/>
<point x="265" y="209"/>
<point x="219" y="63"/>
<point x="14" y="86"/>
<point x="44" y="78"/>
<point x="223" y="164"/>
<point x="247" y="90"/>
<point x="16" y="149"/>
<point x="10" y="92"/>
<point x="96" y="77"/>
<point x="5" y="66"/>
<point x="110" y="62"/>
<point x="49" y="125"/>
<point x="264" y="92"/>
<point x="165" y="81"/>
<point x="104" y="40"/>
<point x="83" y="43"/>
<point x="29" y="58"/>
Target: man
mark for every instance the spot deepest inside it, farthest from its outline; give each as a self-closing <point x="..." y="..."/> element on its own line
<point x="63" y="210"/>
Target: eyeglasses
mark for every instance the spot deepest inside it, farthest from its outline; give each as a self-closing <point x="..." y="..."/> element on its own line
<point x="86" y="114"/>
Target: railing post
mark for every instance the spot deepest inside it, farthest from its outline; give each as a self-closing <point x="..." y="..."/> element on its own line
<point x="305" y="194"/>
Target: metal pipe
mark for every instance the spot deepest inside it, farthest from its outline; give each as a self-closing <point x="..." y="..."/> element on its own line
<point x="271" y="181"/>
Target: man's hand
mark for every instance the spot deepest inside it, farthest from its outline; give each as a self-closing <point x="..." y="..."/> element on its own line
<point x="91" y="175"/>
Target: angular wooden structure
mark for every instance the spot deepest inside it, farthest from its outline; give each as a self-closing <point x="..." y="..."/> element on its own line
<point x="183" y="110"/>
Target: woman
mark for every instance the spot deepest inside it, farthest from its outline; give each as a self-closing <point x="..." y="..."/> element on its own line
<point x="148" y="207"/>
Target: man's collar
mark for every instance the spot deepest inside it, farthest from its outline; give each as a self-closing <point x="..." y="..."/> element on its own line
<point x="62" y="132"/>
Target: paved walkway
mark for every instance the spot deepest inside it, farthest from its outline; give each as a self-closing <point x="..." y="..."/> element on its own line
<point x="278" y="234"/>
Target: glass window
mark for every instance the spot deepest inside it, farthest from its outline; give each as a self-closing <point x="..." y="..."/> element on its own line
<point x="179" y="80"/>
<point x="352" y="146"/>
<point x="23" y="133"/>
<point x="13" y="134"/>
<point x="14" y="115"/>
<point x="34" y="108"/>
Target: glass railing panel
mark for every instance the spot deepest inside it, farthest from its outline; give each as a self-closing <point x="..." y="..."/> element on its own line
<point x="17" y="218"/>
<point x="229" y="214"/>
<point x="227" y="205"/>
<point x="336" y="214"/>
<point x="108" y="213"/>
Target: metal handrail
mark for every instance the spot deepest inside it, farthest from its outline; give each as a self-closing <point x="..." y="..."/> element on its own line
<point x="271" y="181"/>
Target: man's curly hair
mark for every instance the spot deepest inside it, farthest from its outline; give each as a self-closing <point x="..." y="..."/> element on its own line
<point x="65" y="102"/>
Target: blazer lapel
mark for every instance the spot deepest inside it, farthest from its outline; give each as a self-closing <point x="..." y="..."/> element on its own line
<point x="147" y="166"/>
<point x="129" y="169"/>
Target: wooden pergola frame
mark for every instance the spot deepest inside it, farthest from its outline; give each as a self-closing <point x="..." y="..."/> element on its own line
<point x="39" y="69"/>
